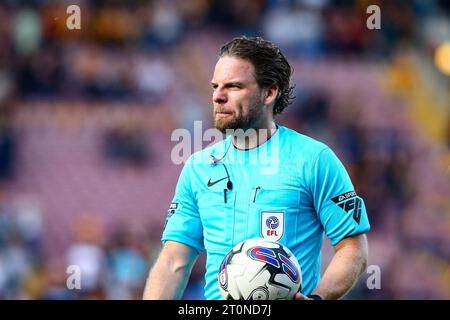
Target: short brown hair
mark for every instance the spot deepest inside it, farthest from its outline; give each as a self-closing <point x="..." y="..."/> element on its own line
<point x="271" y="66"/>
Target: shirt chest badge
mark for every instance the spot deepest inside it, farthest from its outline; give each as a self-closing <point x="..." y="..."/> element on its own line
<point x="272" y="225"/>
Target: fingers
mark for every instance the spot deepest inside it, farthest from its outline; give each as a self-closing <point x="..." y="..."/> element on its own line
<point x="299" y="296"/>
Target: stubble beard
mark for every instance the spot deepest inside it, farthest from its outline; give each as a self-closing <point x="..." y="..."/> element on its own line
<point x="245" y="121"/>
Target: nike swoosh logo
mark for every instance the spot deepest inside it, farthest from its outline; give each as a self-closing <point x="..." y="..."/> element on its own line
<point x="210" y="184"/>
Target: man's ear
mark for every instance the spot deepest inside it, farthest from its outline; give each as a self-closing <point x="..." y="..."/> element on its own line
<point x="271" y="95"/>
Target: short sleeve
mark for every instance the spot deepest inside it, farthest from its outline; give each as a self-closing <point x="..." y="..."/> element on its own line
<point x="341" y="211"/>
<point x="183" y="222"/>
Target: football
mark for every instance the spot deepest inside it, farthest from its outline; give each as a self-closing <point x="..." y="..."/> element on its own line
<point x="259" y="269"/>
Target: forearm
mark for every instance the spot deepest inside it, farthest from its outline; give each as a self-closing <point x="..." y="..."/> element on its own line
<point x="342" y="273"/>
<point x="166" y="281"/>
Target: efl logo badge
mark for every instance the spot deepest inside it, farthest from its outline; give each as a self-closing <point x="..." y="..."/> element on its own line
<point x="272" y="225"/>
<point x="223" y="280"/>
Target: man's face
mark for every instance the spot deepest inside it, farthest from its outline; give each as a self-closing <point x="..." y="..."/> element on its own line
<point x="237" y="98"/>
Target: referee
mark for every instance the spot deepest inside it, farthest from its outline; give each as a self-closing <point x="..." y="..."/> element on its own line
<point x="263" y="180"/>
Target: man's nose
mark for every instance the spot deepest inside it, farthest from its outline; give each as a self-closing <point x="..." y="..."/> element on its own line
<point x="219" y="96"/>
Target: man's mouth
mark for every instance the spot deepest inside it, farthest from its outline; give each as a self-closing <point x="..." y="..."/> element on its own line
<point x="223" y="114"/>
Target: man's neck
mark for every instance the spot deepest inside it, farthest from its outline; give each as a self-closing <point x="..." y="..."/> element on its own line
<point x="253" y="138"/>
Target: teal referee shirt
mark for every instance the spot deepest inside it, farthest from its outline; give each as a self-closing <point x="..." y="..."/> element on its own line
<point x="292" y="189"/>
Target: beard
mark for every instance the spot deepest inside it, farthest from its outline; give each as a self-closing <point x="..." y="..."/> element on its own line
<point x="249" y="120"/>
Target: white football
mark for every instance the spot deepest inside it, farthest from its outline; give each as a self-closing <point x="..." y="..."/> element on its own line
<point x="259" y="269"/>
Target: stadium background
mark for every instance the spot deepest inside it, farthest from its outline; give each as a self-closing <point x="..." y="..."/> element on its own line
<point x="86" y="117"/>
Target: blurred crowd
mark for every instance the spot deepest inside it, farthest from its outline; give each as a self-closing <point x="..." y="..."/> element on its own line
<point x="96" y="265"/>
<point x="159" y="55"/>
<point x="123" y="44"/>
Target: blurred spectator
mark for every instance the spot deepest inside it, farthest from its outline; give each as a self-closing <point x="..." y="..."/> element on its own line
<point x="8" y="144"/>
<point x="87" y="253"/>
<point x="27" y="31"/>
<point x="127" y="265"/>
<point x="127" y="145"/>
<point x="53" y="282"/>
<point x="19" y="247"/>
<point x="153" y="89"/>
<point x="297" y="28"/>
